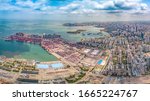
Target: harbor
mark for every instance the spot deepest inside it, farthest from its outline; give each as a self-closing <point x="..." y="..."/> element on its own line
<point x="21" y="50"/>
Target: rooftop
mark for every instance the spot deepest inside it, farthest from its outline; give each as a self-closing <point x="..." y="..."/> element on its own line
<point x="42" y="66"/>
<point x="57" y="65"/>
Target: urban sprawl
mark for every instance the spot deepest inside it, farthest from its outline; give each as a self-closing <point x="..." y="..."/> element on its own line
<point x="122" y="57"/>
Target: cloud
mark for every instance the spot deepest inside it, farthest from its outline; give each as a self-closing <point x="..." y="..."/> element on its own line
<point x="77" y="6"/>
<point x="27" y="4"/>
<point x="39" y="4"/>
<point x="109" y="6"/>
<point x="8" y="7"/>
<point x="130" y="5"/>
<point x="71" y="7"/>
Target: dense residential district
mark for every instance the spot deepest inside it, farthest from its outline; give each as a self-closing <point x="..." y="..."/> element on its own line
<point x="123" y="57"/>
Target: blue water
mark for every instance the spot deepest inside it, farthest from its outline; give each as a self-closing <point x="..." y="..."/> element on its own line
<point x="99" y="62"/>
<point x="8" y="27"/>
<point x="20" y="50"/>
<point x="57" y="65"/>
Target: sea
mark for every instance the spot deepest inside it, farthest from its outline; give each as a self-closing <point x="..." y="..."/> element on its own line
<point x="32" y="51"/>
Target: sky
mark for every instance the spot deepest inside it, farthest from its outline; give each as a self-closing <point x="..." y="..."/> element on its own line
<point x="76" y="10"/>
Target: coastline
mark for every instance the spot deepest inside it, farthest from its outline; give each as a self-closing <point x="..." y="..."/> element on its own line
<point x="24" y="50"/>
<point x="44" y="42"/>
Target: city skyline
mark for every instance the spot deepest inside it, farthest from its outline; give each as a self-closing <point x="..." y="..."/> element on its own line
<point x="76" y="10"/>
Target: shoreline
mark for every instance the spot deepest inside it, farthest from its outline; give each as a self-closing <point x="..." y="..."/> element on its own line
<point x="48" y="43"/>
<point x="21" y="56"/>
<point x="38" y="40"/>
